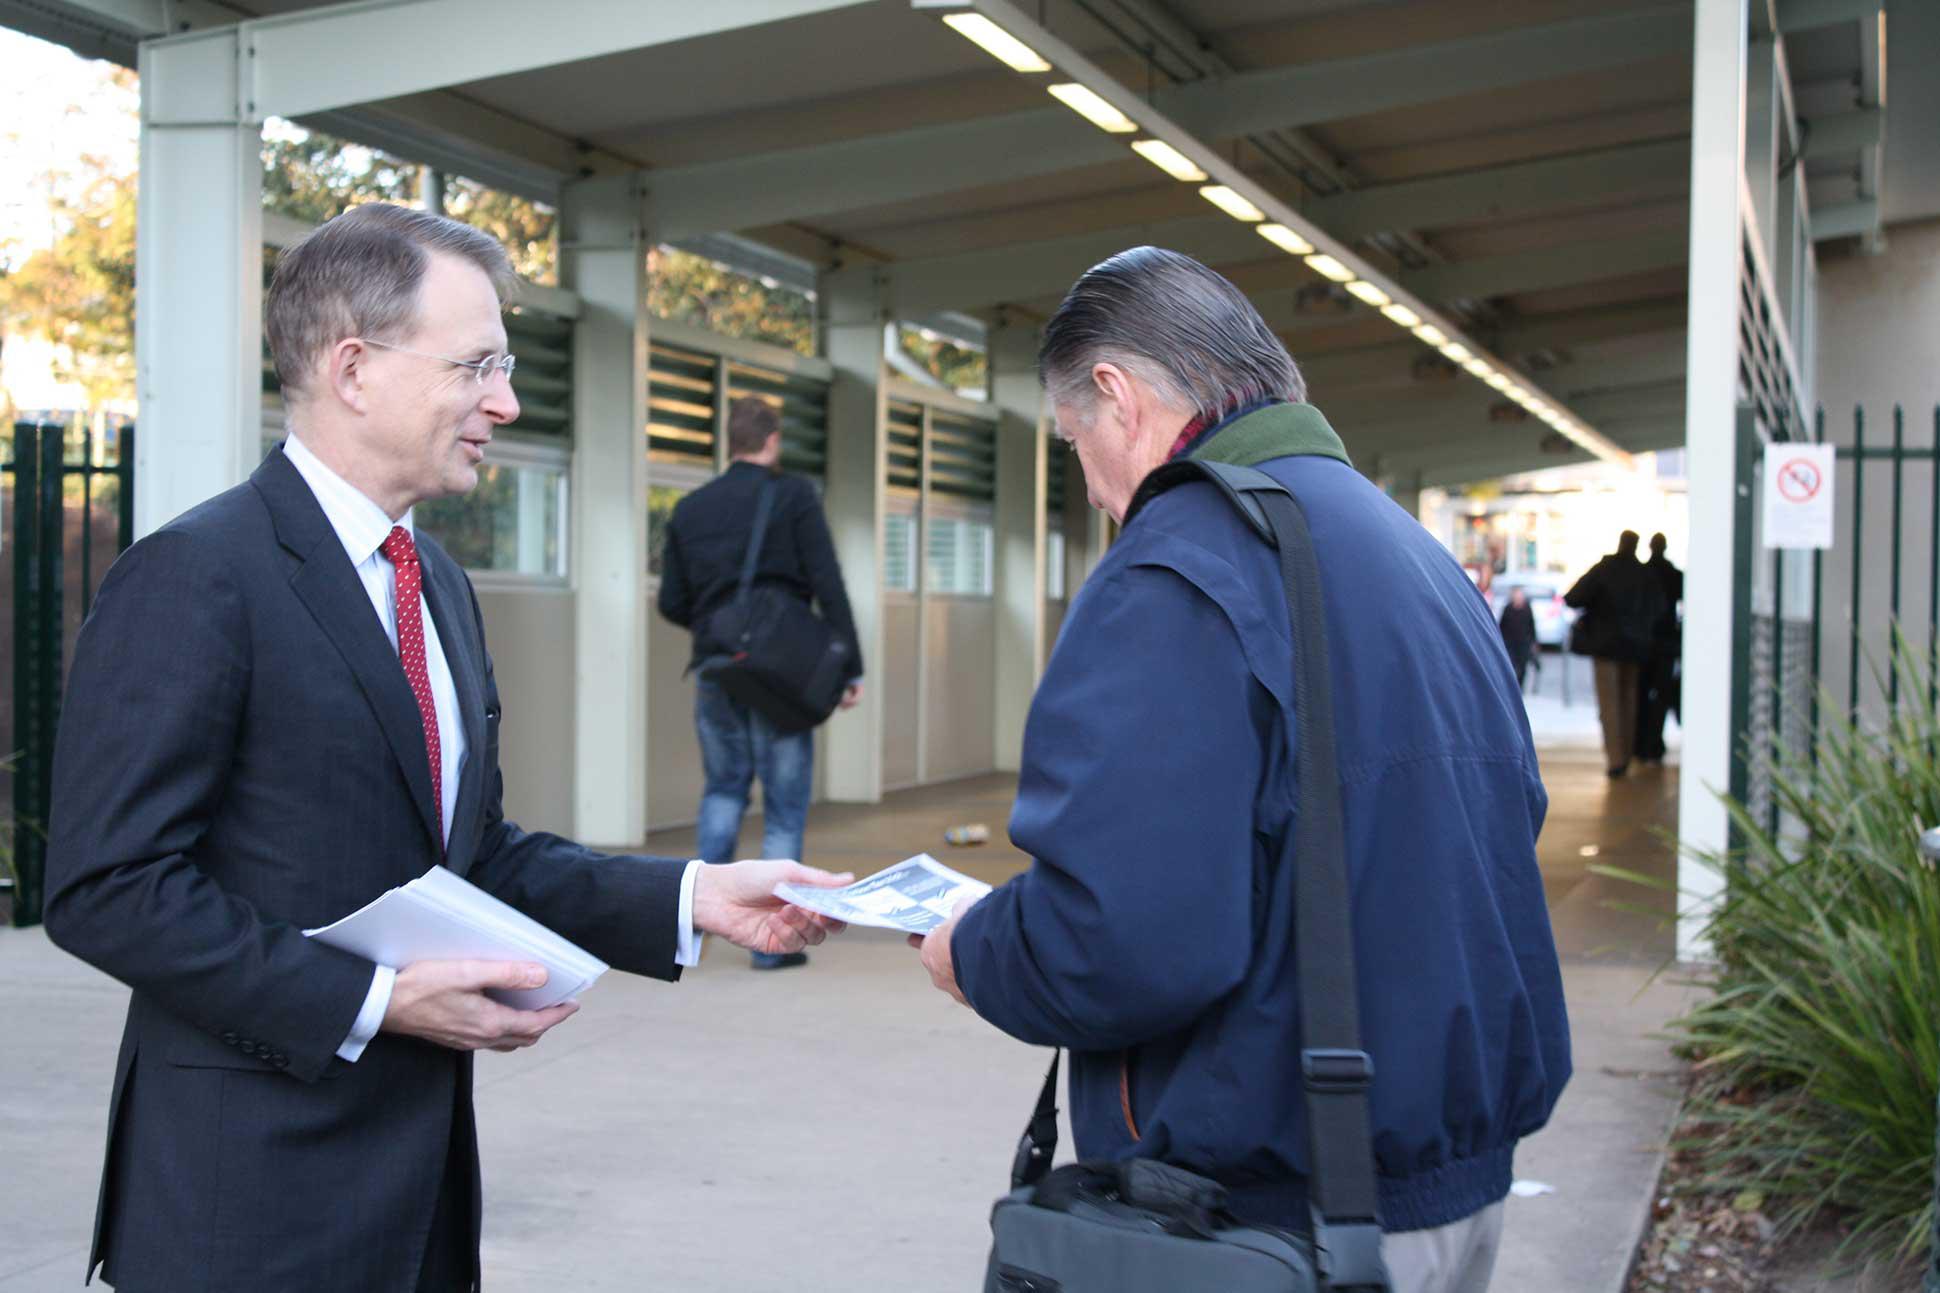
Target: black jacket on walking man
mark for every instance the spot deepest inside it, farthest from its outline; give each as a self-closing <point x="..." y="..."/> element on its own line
<point x="1620" y="602"/>
<point x="700" y="571"/>
<point x="1657" y="686"/>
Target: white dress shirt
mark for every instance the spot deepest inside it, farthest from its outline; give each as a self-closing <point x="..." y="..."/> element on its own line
<point x="362" y="526"/>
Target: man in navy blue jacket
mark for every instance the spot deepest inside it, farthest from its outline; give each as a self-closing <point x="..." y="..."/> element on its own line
<point x="1158" y="782"/>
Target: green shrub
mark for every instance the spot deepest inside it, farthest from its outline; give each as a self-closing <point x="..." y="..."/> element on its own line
<point x="1818" y="1054"/>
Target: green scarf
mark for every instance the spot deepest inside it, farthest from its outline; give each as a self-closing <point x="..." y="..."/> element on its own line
<point x="1276" y="431"/>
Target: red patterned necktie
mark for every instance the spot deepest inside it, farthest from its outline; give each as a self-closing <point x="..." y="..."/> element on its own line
<point x="403" y="554"/>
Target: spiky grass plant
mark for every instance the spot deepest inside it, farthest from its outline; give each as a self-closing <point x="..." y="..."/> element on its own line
<point x="1818" y="1053"/>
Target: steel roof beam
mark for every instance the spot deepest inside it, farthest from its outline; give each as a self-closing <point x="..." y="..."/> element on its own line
<point x="800" y="184"/>
<point x="1509" y="192"/>
<point x="1567" y="265"/>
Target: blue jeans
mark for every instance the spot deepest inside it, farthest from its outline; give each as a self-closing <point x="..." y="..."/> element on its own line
<point x="737" y="745"/>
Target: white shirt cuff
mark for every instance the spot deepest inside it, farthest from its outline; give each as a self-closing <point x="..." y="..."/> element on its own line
<point x="687" y="943"/>
<point x="371" y="1017"/>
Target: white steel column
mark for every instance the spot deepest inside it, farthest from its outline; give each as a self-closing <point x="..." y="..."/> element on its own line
<point x="852" y="322"/>
<point x="198" y="275"/>
<point x="603" y="248"/>
<point x="1717" y="170"/>
<point x="1020" y="525"/>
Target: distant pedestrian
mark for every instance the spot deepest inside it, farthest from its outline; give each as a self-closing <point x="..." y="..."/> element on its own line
<point x="1518" y="626"/>
<point x="1657" y="688"/>
<point x="1619" y="603"/>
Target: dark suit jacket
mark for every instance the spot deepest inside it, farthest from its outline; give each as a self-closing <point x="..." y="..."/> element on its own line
<point x="707" y="538"/>
<point x="240" y="758"/>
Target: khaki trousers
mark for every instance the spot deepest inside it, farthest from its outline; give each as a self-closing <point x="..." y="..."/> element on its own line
<point x="1456" y="1258"/>
<point x="1616" y="706"/>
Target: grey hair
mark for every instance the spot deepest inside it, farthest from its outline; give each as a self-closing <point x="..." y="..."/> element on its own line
<point x="357" y="276"/>
<point x="1176" y="325"/>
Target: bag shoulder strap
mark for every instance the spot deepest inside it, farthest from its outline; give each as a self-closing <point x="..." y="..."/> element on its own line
<point x="764" y="507"/>
<point x="1336" y="1072"/>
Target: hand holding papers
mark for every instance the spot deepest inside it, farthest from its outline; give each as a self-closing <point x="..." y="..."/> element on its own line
<point x="914" y="896"/>
<point x="442" y="917"/>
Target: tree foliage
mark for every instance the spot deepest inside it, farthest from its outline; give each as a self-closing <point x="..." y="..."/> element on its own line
<point x="693" y="289"/>
<point x="80" y="292"/>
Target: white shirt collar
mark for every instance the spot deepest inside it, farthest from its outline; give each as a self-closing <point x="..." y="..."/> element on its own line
<point x="361" y="525"/>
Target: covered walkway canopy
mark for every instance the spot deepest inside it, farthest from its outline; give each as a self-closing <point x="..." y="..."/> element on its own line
<point x="1473" y="224"/>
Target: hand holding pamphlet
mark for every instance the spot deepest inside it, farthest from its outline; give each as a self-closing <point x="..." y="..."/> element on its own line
<point x="440" y="916"/>
<point x="914" y="896"/>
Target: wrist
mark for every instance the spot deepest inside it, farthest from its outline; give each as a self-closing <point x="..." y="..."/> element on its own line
<point x="707" y="883"/>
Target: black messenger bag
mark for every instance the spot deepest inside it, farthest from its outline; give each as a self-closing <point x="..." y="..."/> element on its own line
<point x="782" y="659"/>
<point x="1149" y="1227"/>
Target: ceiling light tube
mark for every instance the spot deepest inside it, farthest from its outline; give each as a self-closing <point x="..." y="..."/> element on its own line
<point x="1478" y="366"/>
<point x="1498" y="381"/>
<point x="1328" y="267"/>
<point x="1285" y="239"/>
<point x="1401" y="314"/>
<point x="1087" y="103"/>
<point x="1455" y="351"/>
<point x="1232" y="203"/>
<point x="1170" y="160"/>
<point x="1431" y="334"/>
<point x="1370" y="293"/>
<point x="996" y="42"/>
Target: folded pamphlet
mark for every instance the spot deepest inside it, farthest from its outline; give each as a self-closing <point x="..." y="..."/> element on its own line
<point x="441" y="916"/>
<point x="916" y="895"/>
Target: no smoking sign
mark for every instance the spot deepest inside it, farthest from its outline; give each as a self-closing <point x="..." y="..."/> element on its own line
<point x="1798" y="496"/>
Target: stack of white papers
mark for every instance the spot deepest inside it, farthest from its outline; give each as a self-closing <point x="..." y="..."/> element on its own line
<point x="916" y="895"/>
<point x="440" y="916"/>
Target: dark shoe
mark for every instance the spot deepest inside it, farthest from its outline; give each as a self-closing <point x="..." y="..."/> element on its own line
<point x="778" y="960"/>
<point x="1614" y="773"/>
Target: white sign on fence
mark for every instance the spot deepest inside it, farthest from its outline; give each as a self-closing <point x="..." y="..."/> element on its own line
<point x="1798" y="495"/>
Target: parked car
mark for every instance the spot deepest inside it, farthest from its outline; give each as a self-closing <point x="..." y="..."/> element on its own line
<point x="1545" y="594"/>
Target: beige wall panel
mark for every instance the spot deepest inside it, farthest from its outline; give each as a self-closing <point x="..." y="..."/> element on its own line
<point x="962" y="687"/>
<point x="530" y="635"/>
<point x="897" y="676"/>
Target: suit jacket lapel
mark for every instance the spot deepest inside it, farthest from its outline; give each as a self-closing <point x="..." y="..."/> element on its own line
<point x="328" y="586"/>
<point x="445" y="594"/>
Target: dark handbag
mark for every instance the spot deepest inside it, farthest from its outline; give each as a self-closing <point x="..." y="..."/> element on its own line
<point x="780" y="659"/>
<point x="1151" y="1227"/>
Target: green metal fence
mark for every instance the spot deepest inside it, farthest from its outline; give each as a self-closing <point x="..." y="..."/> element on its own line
<point x="1817" y="628"/>
<point x="72" y="511"/>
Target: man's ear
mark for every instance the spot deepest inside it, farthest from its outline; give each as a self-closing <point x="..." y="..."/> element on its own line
<point x="1117" y="395"/>
<point x="345" y="374"/>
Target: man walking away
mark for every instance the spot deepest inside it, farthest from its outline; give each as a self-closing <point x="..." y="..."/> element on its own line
<point x="1518" y="626"/>
<point x="1618" y="599"/>
<point x="1657" y="691"/>
<point x="707" y="539"/>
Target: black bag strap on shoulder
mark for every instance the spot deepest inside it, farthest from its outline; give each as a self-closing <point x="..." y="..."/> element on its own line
<point x="1336" y="1072"/>
<point x="764" y="508"/>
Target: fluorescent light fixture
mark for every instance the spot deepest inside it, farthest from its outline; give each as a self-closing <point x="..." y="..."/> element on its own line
<point x="1231" y="203"/>
<point x="1479" y="367"/>
<point x="1090" y="105"/>
<point x="1328" y="267"/>
<point x="1455" y="351"/>
<point x="1285" y="239"/>
<point x="1402" y="315"/>
<point x="1169" y="159"/>
<point x="1431" y="334"/>
<point x="995" y="41"/>
<point x="1498" y="381"/>
<point x="1370" y="293"/>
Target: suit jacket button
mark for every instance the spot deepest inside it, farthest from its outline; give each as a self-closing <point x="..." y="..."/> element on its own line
<point x="229" y="1038"/>
<point x="279" y="1060"/>
<point x="248" y="1047"/>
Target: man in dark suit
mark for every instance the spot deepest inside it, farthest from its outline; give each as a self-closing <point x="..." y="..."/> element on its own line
<point x="700" y="571"/>
<point x="281" y="707"/>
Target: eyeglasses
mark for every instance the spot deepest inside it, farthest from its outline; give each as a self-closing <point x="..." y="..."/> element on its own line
<point x="481" y="369"/>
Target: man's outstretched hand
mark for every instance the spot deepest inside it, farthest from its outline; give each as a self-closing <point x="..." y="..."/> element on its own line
<point x="445" y="1002"/>
<point x="738" y="902"/>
